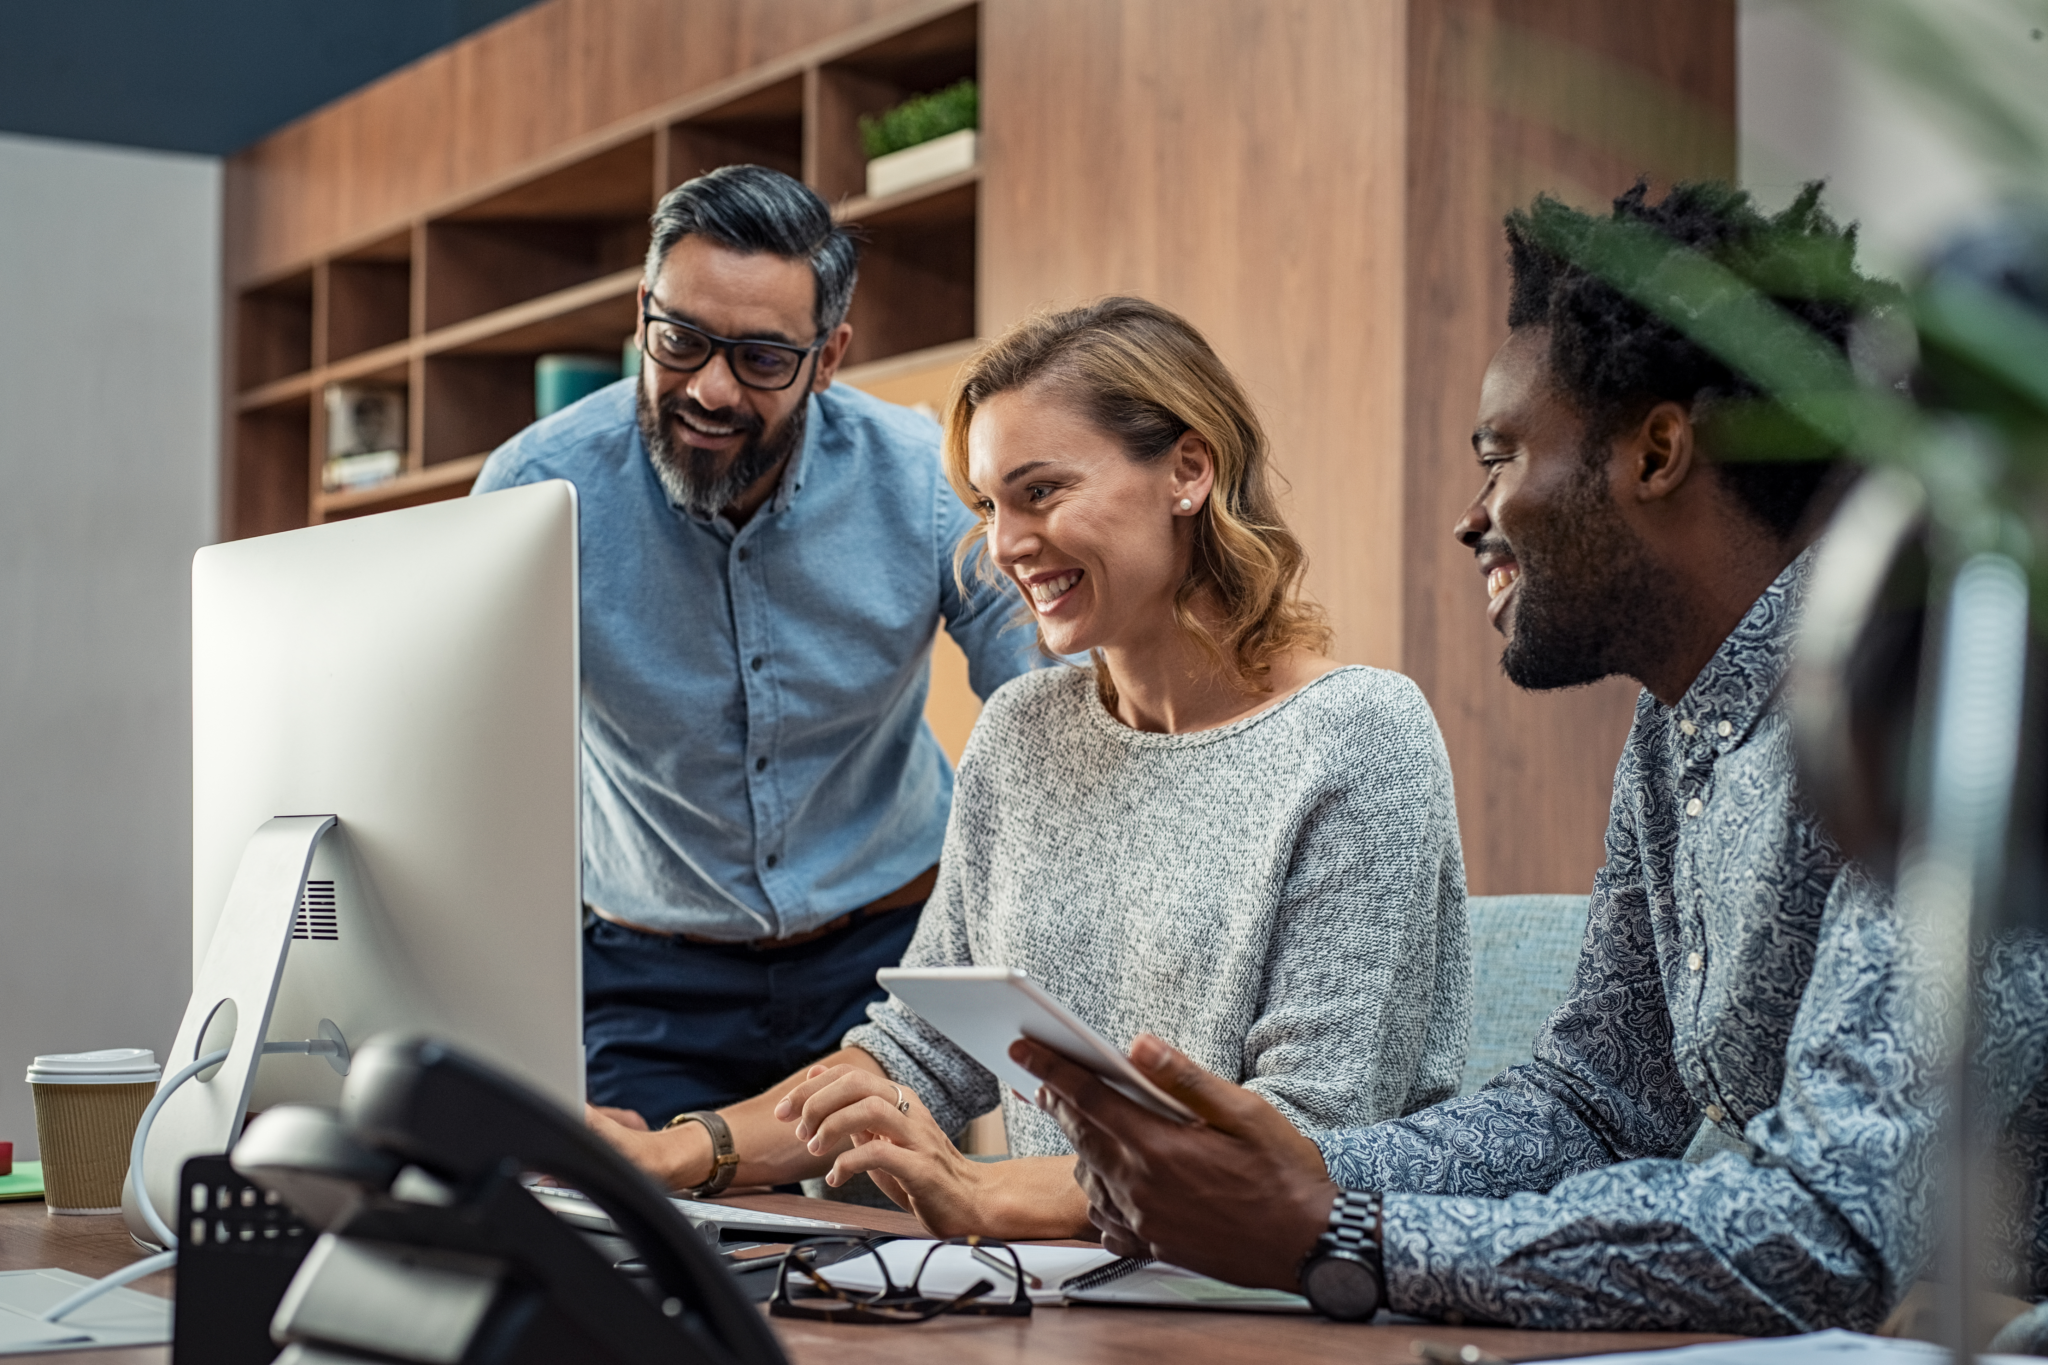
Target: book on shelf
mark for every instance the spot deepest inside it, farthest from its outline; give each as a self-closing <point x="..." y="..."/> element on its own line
<point x="341" y="473"/>
<point x="365" y="435"/>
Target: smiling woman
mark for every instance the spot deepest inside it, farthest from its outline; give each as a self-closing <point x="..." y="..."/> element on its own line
<point x="1127" y="378"/>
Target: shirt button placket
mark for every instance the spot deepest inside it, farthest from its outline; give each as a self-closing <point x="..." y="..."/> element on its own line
<point x="755" y="663"/>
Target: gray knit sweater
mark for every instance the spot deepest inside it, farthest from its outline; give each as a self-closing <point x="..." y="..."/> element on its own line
<point x="1282" y="898"/>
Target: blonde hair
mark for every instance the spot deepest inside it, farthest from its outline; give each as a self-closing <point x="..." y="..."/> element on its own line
<point x="1146" y="377"/>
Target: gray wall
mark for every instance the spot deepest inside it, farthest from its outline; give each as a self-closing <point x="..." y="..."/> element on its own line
<point x="1809" y="106"/>
<point x="109" y="296"/>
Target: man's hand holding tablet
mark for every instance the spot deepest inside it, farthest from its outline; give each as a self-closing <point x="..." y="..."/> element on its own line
<point x="1241" y="1196"/>
<point x="985" y="1009"/>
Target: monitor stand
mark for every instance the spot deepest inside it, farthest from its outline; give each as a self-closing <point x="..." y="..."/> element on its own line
<point x="232" y="998"/>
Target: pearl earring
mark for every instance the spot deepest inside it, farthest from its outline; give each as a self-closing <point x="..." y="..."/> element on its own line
<point x="1187" y="505"/>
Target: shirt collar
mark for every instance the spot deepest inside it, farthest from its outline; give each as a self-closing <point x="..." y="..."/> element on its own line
<point x="1740" y="682"/>
<point x="793" y="473"/>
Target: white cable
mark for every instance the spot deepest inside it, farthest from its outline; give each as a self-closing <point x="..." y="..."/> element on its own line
<point x="164" y="1236"/>
<point x="148" y="1265"/>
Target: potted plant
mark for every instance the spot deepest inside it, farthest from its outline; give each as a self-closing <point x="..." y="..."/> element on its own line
<point x="923" y="138"/>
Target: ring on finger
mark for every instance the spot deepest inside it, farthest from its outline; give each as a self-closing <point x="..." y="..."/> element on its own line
<point x="902" y="1100"/>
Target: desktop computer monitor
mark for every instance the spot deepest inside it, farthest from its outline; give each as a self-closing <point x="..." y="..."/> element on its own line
<point x="414" y="676"/>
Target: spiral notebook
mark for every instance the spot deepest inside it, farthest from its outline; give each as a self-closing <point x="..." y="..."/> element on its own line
<point x="1139" y="1283"/>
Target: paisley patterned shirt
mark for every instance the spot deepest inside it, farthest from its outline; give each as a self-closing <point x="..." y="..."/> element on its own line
<point x="1735" y="972"/>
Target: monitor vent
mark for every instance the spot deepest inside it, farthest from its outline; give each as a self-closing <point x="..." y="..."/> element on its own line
<point x="316" y="918"/>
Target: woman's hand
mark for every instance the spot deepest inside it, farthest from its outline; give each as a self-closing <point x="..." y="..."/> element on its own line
<point x="909" y="1156"/>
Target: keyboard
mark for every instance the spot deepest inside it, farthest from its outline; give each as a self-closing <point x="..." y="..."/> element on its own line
<point x="721" y="1222"/>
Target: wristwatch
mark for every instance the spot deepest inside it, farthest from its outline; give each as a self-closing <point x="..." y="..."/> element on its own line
<point x="725" y="1162"/>
<point x="1345" y="1276"/>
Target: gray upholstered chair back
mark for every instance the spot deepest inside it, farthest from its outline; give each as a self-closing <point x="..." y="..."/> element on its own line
<point x="1524" y="949"/>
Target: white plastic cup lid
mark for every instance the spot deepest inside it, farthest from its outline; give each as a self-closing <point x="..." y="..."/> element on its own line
<point x="108" y="1066"/>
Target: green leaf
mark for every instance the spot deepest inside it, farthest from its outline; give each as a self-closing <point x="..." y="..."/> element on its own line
<point x="922" y="119"/>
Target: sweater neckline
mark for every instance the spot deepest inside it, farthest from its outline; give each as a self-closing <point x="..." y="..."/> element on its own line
<point x="1194" y="739"/>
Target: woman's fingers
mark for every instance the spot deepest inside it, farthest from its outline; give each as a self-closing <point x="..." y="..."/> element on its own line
<point x="923" y="1182"/>
<point x="814" y="1083"/>
<point x="873" y="1117"/>
<point x="816" y="1079"/>
<point x="835" y="1093"/>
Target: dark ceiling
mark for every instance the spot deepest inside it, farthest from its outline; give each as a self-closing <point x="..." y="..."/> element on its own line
<point x="206" y="75"/>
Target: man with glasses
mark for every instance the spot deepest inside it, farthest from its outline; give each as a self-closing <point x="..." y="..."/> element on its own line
<point x="765" y="560"/>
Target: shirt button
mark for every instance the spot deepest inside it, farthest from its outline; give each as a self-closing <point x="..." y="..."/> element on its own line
<point x="1715" y="1113"/>
<point x="772" y="860"/>
<point x="1688" y="727"/>
<point x="743" y="554"/>
<point x="1695" y="806"/>
<point x="756" y="666"/>
<point x="1724" y="729"/>
<point x="760" y="765"/>
<point x="1695" y="961"/>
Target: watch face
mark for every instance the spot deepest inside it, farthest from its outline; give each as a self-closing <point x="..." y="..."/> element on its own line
<point x="1339" y="1285"/>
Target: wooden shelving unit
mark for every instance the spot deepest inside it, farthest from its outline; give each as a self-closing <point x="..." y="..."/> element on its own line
<point x="455" y="304"/>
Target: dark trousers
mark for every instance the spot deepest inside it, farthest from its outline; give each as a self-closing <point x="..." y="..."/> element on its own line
<point x="670" y="1025"/>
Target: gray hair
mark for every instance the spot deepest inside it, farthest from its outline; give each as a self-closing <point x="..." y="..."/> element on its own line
<point x="753" y="208"/>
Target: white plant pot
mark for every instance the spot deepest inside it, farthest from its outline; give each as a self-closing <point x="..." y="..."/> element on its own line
<point x="925" y="162"/>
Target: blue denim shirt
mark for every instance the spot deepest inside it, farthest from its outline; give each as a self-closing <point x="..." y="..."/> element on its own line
<point x="755" y="756"/>
<point x="1735" y="972"/>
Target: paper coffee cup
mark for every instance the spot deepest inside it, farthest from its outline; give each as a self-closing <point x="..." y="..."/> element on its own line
<point x="87" y="1106"/>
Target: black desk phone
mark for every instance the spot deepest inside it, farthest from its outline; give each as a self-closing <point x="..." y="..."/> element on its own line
<point x="430" y="1249"/>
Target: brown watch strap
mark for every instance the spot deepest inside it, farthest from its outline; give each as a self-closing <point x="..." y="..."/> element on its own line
<point x="725" y="1162"/>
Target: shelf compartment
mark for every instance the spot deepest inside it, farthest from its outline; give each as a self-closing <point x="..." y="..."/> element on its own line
<point x="474" y="403"/>
<point x="580" y="223"/>
<point x="763" y="128"/>
<point x="448" y="479"/>
<point x="917" y="274"/>
<point x="479" y="268"/>
<point x="273" y="463"/>
<point x="617" y="182"/>
<point x="914" y="62"/>
<point x="369" y="298"/>
<point x="274" y="331"/>
<point x="597" y="316"/>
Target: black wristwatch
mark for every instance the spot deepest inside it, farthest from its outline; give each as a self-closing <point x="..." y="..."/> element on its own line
<point x="1345" y="1277"/>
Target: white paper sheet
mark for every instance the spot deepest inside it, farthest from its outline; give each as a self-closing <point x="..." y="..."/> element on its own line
<point x="120" y="1317"/>
<point x="1834" y="1347"/>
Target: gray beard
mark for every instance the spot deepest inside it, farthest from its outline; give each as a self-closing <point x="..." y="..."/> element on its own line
<point x="692" y="477"/>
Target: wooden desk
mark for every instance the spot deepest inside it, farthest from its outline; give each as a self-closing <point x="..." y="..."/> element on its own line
<point x="93" y="1246"/>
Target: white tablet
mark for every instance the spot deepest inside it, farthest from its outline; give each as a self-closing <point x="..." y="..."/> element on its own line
<point x="985" y="1009"/>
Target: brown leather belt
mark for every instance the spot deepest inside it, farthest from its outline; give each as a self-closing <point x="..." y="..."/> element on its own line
<point x="913" y="892"/>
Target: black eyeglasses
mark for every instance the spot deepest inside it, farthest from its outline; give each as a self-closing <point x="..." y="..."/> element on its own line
<point x="766" y="365"/>
<point x="836" y="1279"/>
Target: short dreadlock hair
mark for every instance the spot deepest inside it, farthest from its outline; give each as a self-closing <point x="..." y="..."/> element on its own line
<point x="1614" y="360"/>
